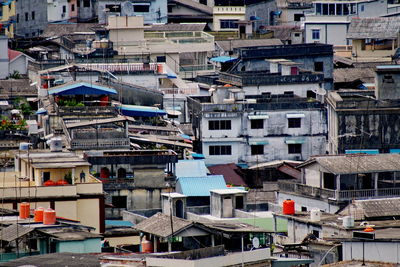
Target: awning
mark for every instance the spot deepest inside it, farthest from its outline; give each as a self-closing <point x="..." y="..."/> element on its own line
<point x="41" y="111"/>
<point x="293" y="140"/>
<point x="363" y="151"/>
<point x="264" y="142"/>
<point x="198" y="156"/>
<point x="223" y="59"/>
<point x="171" y="112"/>
<point x="186" y="136"/>
<point x="141" y="111"/>
<point x="295" y="115"/>
<point x="394" y="151"/>
<point x="258" y="117"/>
<point x="255" y="18"/>
<point x="82" y="88"/>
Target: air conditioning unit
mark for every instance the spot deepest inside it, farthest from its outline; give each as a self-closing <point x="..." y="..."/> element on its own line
<point x="56" y="144"/>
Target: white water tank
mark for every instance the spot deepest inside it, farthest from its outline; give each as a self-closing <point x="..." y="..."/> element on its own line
<point x="348" y="222"/>
<point x="315" y="215"/>
<point x="56" y="144"/>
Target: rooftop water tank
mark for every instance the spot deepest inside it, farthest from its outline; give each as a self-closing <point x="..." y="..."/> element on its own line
<point x="49" y="217"/>
<point x="315" y="215"/>
<point x="288" y="207"/>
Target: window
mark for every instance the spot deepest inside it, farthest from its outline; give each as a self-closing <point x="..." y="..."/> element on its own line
<point x="26" y="16"/>
<point x="318" y="9"/>
<point x="17" y="17"/>
<point x="339" y="8"/>
<point x="388" y="79"/>
<point x="297" y="17"/>
<point x="161" y="59"/>
<point x="362" y="8"/>
<point x="114" y="8"/>
<point x="119" y="202"/>
<point x="257" y="124"/>
<point x="319" y="66"/>
<point x="46" y="176"/>
<point x="239" y="203"/>
<point x="297" y="35"/>
<point x="257" y="150"/>
<point x="33" y="15"/>
<point x="315" y="34"/>
<point x="324" y="9"/>
<point x="294" y="148"/>
<point x="331" y="9"/>
<point x="315" y="233"/>
<point x="303" y="209"/>
<point x="219" y="125"/>
<point x="228" y="24"/>
<point x="311" y="94"/>
<point x="294" y="122"/>
<point x="220" y="150"/>
<point x="72" y="7"/>
<point x="86" y="3"/>
<point x="64" y="9"/>
<point x="141" y="8"/>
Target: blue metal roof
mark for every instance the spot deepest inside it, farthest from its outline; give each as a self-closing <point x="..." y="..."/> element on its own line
<point x="141" y="111"/>
<point x="200" y="186"/>
<point x="118" y="223"/>
<point x="223" y="59"/>
<point x="362" y="151"/>
<point x="190" y="168"/>
<point x="82" y="88"/>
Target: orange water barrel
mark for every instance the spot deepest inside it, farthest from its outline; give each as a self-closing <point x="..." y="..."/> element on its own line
<point x="288" y="207"/>
<point x="159" y="68"/>
<point x="49" y="216"/>
<point x="62" y="182"/>
<point x="147" y="246"/>
<point x="38" y="214"/>
<point x="24" y="210"/>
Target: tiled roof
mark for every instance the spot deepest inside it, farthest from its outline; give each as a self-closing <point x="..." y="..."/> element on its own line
<point x="356" y="163"/>
<point x="188" y="27"/>
<point x="195" y="5"/>
<point x="13" y="54"/>
<point x="373" y="208"/>
<point x="382" y="28"/>
<point x="367" y="75"/>
<point x="199" y="186"/>
<point x="191" y="168"/>
<point x="231" y="173"/>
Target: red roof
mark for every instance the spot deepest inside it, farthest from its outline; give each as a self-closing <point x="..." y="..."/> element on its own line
<point x="12" y="54"/>
<point x="231" y="173"/>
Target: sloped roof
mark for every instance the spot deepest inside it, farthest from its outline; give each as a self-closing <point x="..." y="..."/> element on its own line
<point x="231" y="173"/>
<point x="231" y="44"/>
<point x="356" y="163"/>
<point x="282" y="32"/>
<point x="373" y="208"/>
<point x="367" y="75"/>
<point x="191" y="168"/>
<point x="195" y="5"/>
<point x="13" y="54"/>
<point x="380" y="28"/>
<point x="60" y="29"/>
<point x="200" y="186"/>
<point x="14" y="231"/>
<point x="81" y="88"/>
<point x="160" y="225"/>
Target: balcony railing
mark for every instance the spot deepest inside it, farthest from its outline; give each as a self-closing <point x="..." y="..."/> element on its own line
<point x="81" y="144"/>
<point x="339" y="195"/>
<point x="86" y="110"/>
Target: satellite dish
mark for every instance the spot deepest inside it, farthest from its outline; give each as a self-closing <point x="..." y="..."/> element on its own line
<point x="127" y="9"/>
<point x="320" y="91"/>
<point x="256" y="242"/>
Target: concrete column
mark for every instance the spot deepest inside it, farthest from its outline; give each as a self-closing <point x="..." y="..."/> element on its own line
<point x="126" y="129"/>
<point x="212" y="240"/>
<point x="338" y="182"/>
<point x="169" y="245"/>
<point x="73" y="175"/>
<point x="155" y="243"/>
<point x="376" y="183"/>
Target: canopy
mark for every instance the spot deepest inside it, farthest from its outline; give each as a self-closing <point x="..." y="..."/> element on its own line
<point x="41" y="111"/>
<point x="223" y="59"/>
<point x="81" y="88"/>
<point x="141" y="111"/>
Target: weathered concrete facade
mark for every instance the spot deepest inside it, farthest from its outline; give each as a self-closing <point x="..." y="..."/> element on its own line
<point x="31" y="17"/>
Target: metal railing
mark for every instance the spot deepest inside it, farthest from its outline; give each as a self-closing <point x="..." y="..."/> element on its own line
<point x="86" y="110"/>
<point x="100" y="143"/>
<point x="306" y="190"/>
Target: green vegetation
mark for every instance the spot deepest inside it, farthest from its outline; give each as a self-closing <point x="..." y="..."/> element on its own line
<point x="7" y="125"/>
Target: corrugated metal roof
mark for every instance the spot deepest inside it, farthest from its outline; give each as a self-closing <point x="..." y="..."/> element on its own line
<point x="191" y="168"/>
<point x="14" y="231"/>
<point x="231" y="172"/>
<point x="378" y="28"/>
<point x="356" y="163"/>
<point x="199" y="186"/>
<point x="81" y="88"/>
<point x="373" y="208"/>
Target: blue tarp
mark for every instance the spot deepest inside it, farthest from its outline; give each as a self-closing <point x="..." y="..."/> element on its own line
<point x="199" y="186"/>
<point x="362" y="151"/>
<point x="82" y="88"/>
<point x="118" y="223"/>
<point x="223" y="59"/>
<point x="141" y="111"/>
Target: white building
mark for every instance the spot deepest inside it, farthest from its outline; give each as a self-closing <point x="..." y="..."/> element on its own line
<point x="330" y="20"/>
<point x="57" y="10"/>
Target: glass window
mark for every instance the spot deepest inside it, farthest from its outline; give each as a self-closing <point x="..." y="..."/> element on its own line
<point x="315" y="34"/>
<point x="324" y="9"/>
<point x="141" y="8"/>
<point x="219" y="125"/>
<point x="86" y="3"/>
<point x="257" y="149"/>
<point x="331" y="9"/>
<point x="339" y="9"/>
<point x="294" y="148"/>
<point x="257" y="124"/>
<point x="294" y="122"/>
<point x="345" y="9"/>
<point x="318" y="9"/>
<point x="228" y="24"/>
<point x="219" y="150"/>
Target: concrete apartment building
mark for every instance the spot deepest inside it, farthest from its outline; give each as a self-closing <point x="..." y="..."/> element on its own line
<point x="366" y="119"/>
<point x="32" y="18"/>
<point x="330" y="21"/>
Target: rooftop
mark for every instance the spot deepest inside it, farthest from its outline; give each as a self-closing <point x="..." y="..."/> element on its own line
<point x="229" y="191"/>
<point x="373" y="208"/>
<point x="229" y="45"/>
<point x="191" y="168"/>
<point x="356" y="163"/>
<point x="200" y="186"/>
<point x="376" y="28"/>
<point x="231" y="173"/>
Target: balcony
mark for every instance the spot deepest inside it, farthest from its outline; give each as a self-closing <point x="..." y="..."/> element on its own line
<point x="265" y="78"/>
<point x="85" y="110"/>
<point x="338" y="195"/>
